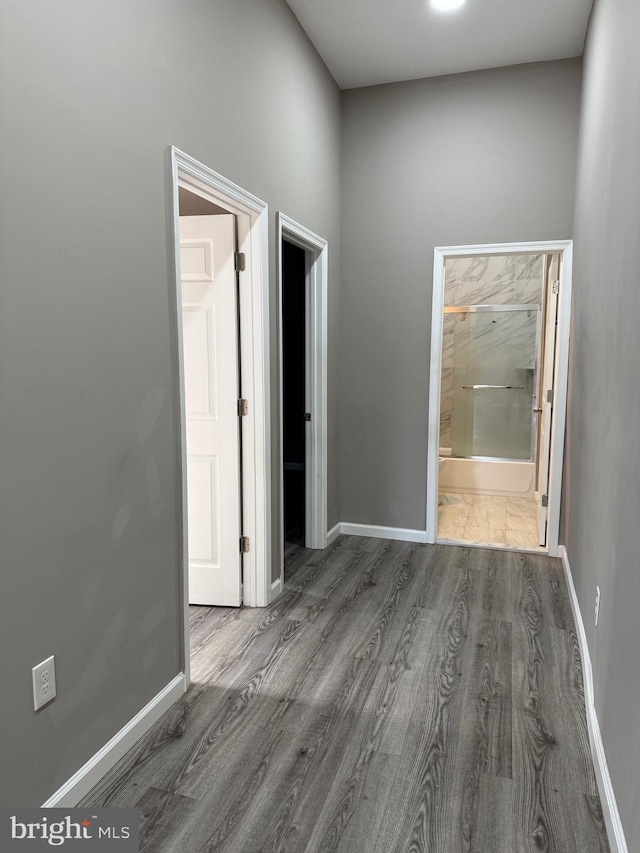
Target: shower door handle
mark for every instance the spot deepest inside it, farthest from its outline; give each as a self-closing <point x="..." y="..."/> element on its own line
<point x="537" y="410"/>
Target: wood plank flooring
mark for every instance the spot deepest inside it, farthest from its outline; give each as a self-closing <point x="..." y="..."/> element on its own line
<point x="397" y="697"/>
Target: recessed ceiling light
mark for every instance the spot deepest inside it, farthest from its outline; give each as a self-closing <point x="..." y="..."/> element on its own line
<point x="447" y="5"/>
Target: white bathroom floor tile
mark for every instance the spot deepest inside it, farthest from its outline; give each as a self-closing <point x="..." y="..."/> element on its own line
<point x="522" y="539"/>
<point x="451" y="528"/>
<point x="485" y="535"/>
<point x="488" y="520"/>
<point x="488" y="500"/>
<point x="487" y="512"/>
<point x="453" y="499"/>
<point x="521" y="514"/>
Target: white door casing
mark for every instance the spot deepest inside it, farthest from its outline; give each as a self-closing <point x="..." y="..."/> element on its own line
<point x="210" y="341"/>
<point x="252" y="226"/>
<point x="546" y="402"/>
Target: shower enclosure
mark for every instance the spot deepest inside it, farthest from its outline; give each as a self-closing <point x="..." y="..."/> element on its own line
<point x="491" y="387"/>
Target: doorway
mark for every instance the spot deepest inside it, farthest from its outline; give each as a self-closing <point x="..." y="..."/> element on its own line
<point x="246" y="398"/>
<point x="500" y="331"/>
<point x="294" y="402"/>
<point x="302" y="312"/>
<point x="211" y="358"/>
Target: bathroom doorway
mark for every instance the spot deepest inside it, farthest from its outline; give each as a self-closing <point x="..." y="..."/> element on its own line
<point x="501" y="395"/>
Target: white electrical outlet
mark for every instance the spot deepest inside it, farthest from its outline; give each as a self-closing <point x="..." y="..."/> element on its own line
<point x="597" y="608"/>
<point x="44" y="682"/>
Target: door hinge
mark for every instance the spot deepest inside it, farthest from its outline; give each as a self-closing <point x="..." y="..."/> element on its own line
<point x="245" y="545"/>
<point x="556" y="288"/>
<point x="243" y="408"/>
<point x="307" y="416"/>
<point x="550" y="395"/>
<point x="544" y="500"/>
<point x="239" y="261"/>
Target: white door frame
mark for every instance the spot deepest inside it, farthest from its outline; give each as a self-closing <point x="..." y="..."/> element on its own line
<point x="441" y="253"/>
<point x="252" y="225"/>
<point x="316" y="282"/>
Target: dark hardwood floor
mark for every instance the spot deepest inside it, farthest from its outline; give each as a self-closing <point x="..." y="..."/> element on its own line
<point x="396" y="697"/>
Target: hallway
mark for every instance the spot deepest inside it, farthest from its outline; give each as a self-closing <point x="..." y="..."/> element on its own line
<point x="397" y="697"/>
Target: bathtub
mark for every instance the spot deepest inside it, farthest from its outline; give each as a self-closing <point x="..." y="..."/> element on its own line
<point x="486" y="477"/>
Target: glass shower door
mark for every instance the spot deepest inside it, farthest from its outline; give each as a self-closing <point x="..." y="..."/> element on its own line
<point x="494" y="381"/>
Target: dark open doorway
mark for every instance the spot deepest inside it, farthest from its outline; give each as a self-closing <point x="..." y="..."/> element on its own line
<point x="293" y="355"/>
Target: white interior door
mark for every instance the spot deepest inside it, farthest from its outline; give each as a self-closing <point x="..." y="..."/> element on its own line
<point x="546" y="401"/>
<point x="210" y="334"/>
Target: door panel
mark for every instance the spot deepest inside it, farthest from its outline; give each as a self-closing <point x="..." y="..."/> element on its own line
<point x="204" y="484"/>
<point x="209" y="319"/>
<point x="199" y="354"/>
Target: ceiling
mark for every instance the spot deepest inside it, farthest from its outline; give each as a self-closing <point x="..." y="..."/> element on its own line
<point x="366" y="42"/>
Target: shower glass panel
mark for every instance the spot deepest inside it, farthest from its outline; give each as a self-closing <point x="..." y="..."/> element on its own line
<point x="494" y="381"/>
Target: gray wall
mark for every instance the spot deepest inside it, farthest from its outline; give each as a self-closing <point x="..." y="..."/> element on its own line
<point x="472" y="158"/>
<point x="93" y="95"/>
<point x="602" y="487"/>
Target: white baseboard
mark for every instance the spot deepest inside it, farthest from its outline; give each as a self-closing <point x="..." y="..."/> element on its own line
<point x="402" y="533"/>
<point x="333" y="534"/>
<point x="607" y="795"/>
<point x="276" y="589"/>
<point x="88" y="776"/>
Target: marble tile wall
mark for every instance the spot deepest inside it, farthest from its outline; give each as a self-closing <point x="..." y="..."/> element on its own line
<point x="495" y="280"/>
